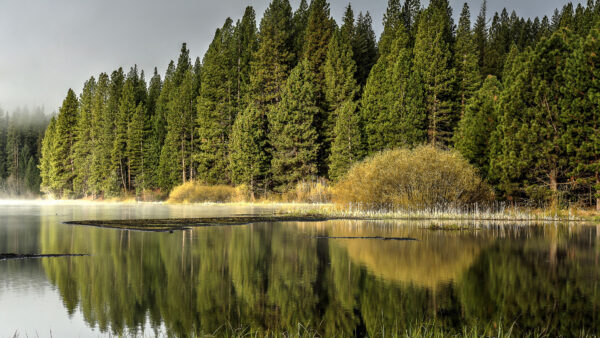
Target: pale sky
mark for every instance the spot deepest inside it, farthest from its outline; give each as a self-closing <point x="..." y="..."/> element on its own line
<point x="49" y="46"/>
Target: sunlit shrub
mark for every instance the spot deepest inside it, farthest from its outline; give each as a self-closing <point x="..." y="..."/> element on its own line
<point x="309" y="192"/>
<point x="422" y="178"/>
<point x="195" y="192"/>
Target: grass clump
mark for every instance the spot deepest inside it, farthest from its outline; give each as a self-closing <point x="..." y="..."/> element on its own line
<point x="422" y="178"/>
<point x="197" y="192"/>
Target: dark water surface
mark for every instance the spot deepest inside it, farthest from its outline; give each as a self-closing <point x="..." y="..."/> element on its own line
<point x="282" y="276"/>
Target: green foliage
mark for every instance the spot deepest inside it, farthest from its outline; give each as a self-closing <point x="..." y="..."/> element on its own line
<point x="293" y="136"/>
<point x="529" y="149"/>
<point x="472" y="138"/>
<point x="424" y="178"/>
<point x="347" y="145"/>
<point x="248" y="153"/>
<point x="466" y="59"/>
<point x="432" y="64"/>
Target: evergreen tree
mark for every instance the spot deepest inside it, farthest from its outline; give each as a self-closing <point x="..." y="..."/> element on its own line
<point x="111" y="181"/>
<point x="47" y="163"/>
<point x="466" y="58"/>
<point x="99" y="137"/>
<point x="246" y="42"/>
<point x="159" y="131"/>
<point x="529" y="147"/>
<point x="3" y="132"/>
<point x="83" y="147"/>
<point x="410" y="13"/>
<point x="364" y="48"/>
<point x="299" y="23"/>
<point x="65" y="137"/>
<point x="392" y="19"/>
<point x="581" y="113"/>
<point x="135" y="150"/>
<point x="127" y="106"/>
<point x="294" y="137"/>
<point x="216" y="107"/>
<point x="347" y="145"/>
<point x="433" y="66"/>
<point x="472" y="138"/>
<point x="348" y="28"/>
<point x="152" y="143"/>
<point x="272" y="61"/>
<point x="248" y="156"/>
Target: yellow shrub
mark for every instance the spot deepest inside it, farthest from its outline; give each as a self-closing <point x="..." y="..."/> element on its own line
<point x="309" y="192"/>
<point x="195" y="192"/>
<point x="421" y="178"/>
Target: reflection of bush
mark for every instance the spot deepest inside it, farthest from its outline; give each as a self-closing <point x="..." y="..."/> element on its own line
<point x="422" y="178"/>
<point x="272" y="277"/>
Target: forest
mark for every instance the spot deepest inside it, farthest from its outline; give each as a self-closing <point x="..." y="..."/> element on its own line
<point x="301" y="97"/>
<point x="21" y="135"/>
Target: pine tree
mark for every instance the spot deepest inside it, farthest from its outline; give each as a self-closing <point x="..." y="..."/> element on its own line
<point x="159" y="131"/>
<point x="348" y="28"/>
<point x="13" y="147"/>
<point x="65" y="139"/>
<point x="272" y="61"/>
<point x="299" y="23"/>
<point x="135" y="150"/>
<point x="528" y="148"/>
<point x="347" y="145"/>
<point x="127" y="106"/>
<point x="3" y="132"/>
<point x="111" y="181"/>
<point x="294" y="137"/>
<point x="246" y="42"/>
<point x="466" y="58"/>
<point x="472" y="138"/>
<point x="410" y="13"/>
<point x="581" y="113"/>
<point x="392" y="19"/>
<point x="83" y="147"/>
<point x="47" y="165"/>
<point x="340" y="85"/>
<point x="248" y="153"/>
<point x="319" y="30"/>
<point x="216" y="107"/>
<point x="364" y="48"/>
<point x="99" y="137"/>
<point x="433" y="66"/>
<point x="152" y="143"/>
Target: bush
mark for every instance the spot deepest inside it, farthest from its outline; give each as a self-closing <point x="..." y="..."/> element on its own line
<point x="309" y="192"/>
<point x="195" y="192"/>
<point x="422" y="178"/>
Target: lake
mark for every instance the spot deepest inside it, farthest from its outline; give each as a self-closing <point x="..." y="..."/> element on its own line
<point x="297" y="277"/>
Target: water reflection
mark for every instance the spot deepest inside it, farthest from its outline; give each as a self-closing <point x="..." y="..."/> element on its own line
<point x="273" y="277"/>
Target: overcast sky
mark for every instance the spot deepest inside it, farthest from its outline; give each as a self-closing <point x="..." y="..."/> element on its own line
<point x="47" y="47"/>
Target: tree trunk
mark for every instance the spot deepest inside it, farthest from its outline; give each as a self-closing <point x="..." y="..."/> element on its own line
<point x="554" y="187"/>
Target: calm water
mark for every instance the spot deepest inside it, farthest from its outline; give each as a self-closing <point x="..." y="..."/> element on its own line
<point x="275" y="276"/>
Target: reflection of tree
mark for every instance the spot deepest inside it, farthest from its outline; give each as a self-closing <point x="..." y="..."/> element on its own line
<point x="272" y="277"/>
<point x="537" y="284"/>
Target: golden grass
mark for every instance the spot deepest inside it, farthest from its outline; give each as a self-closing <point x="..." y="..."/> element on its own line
<point x="196" y="192"/>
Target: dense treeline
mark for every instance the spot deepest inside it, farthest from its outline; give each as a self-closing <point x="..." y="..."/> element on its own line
<point x="301" y="97"/>
<point x="21" y="135"/>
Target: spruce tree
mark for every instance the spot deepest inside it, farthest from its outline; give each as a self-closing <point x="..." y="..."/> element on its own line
<point x="347" y="145"/>
<point x="135" y="150"/>
<point x="127" y="106"/>
<point x="216" y="106"/>
<point x="293" y="136"/>
<point x="433" y="66"/>
<point x="299" y="23"/>
<point x="65" y="137"/>
<point x="466" y="59"/>
<point x="248" y="152"/>
<point x="47" y="164"/>
<point x="246" y="44"/>
<point x="580" y="105"/>
<point x="472" y="138"/>
<point x="392" y="19"/>
<point x="152" y="143"/>
<point x="111" y="181"/>
<point x="99" y="137"/>
<point x="364" y="48"/>
<point x="529" y="155"/>
<point x="84" y="145"/>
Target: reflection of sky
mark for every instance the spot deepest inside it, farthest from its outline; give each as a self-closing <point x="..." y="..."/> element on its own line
<point x="49" y="46"/>
<point x="30" y="306"/>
